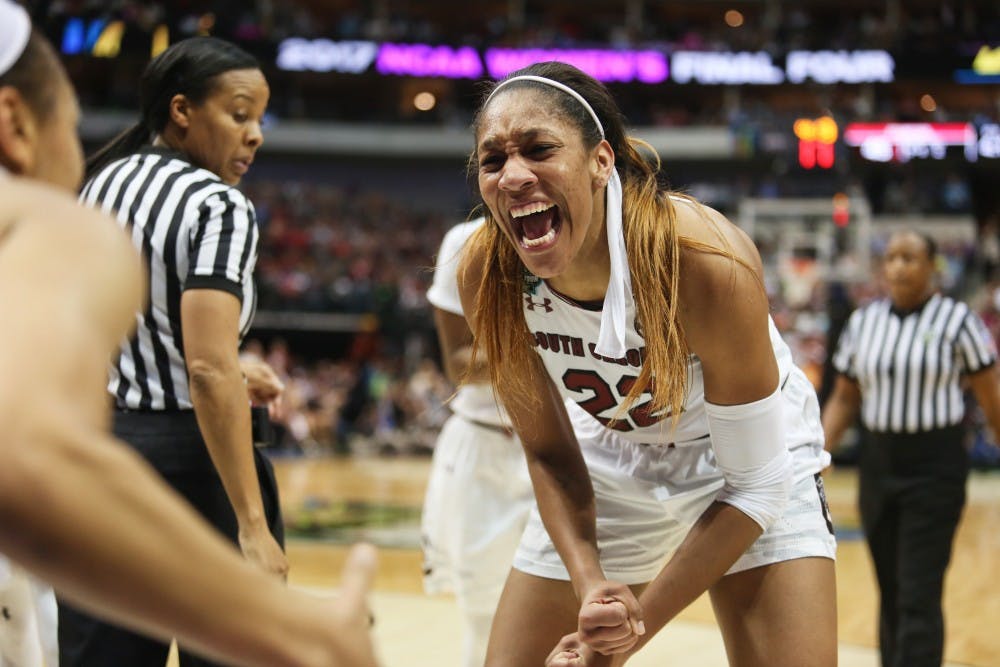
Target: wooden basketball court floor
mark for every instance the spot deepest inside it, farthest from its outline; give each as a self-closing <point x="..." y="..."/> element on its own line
<point x="414" y="630"/>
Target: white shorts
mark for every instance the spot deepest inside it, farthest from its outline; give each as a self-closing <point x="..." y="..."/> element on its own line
<point x="649" y="496"/>
<point x="28" y="627"/>
<point x="477" y="503"/>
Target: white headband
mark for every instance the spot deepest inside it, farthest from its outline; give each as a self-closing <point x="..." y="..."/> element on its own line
<point x="611" y="339"/>
<point x="15" y="29"/>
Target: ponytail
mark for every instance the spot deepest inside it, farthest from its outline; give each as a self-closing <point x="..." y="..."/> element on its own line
<point x="124" y="144"/>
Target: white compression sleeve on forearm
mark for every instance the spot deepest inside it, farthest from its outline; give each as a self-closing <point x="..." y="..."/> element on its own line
<point x="749" y="445"/>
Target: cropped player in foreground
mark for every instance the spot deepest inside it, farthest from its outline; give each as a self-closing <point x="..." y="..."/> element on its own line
<point x="77" y="507"/>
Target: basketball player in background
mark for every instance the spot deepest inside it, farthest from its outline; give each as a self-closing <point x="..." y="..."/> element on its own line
<point x="479" y="494"/>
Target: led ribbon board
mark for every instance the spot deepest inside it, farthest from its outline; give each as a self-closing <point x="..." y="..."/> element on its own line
<point x="902" y="142"/>
<point x="608" y="65"/>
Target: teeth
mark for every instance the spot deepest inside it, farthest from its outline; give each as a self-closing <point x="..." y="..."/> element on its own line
<point x="541" y="240"/>
<point x="529" y="209"/>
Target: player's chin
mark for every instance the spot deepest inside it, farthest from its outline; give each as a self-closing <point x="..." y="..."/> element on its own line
<point x="543" y="265"/>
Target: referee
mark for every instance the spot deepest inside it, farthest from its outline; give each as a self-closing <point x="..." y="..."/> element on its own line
<point x="904" y="361"/>
<point x="179" y="394"/>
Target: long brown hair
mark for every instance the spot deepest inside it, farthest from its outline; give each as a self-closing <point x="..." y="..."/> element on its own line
<point x="651" y="240"/>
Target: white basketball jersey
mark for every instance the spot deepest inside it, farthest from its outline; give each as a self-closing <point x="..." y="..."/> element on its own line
<point x="565" y="334"/>
<point x="472" y="401"/>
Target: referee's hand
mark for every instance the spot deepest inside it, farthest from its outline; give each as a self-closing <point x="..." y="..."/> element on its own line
<point x="264" y="387"/>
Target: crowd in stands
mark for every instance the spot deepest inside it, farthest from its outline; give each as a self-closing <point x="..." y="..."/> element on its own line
<point x="326" y="248"/>
<point x="927" y="40"/>
<point x="375" y="404"/>
<point x="329" y="249"/>
<point x="904" y="27"/>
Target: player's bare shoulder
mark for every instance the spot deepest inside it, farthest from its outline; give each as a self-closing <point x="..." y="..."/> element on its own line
<point x="708" y="228"/>
<point x="720" y="268"/>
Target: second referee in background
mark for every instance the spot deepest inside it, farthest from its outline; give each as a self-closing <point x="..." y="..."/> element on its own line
<point x="902" y="360"/>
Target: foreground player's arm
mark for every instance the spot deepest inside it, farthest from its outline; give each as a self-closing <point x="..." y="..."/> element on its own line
<point x="85" y="512"/>
<point x="725" y="318"/>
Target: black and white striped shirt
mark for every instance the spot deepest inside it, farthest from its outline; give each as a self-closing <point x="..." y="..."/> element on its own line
<point x="908" y="365"/>
<point x="193" y="231"/>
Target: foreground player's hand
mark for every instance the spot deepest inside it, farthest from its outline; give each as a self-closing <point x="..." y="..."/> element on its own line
<point x="351" y="630"/>
<point x="610" y="619"/>
<point x="260" y="548"/>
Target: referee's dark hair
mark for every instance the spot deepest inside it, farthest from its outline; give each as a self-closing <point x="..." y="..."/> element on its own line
<point x="187" y="68"/>
<point x="35" y="74"/>
<point x="931" y="245"/>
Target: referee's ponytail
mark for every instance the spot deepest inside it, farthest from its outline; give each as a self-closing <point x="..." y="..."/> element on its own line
<point x="124" y="144"/>
<point x="187" y="68"/>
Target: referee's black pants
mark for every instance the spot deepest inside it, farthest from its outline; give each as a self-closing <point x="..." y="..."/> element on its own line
<point x="912" y="491"/>
<point x="172" y="443"/>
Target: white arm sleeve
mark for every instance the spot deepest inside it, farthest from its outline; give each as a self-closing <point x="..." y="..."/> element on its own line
<point x="749" y="445"/>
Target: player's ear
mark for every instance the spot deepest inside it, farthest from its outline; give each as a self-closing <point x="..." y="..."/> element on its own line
<point x="19" y="129"/>
<point x="601" y="163"/>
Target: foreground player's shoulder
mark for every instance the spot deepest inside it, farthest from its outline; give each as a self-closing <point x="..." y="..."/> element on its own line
<point x="48" y="233"/>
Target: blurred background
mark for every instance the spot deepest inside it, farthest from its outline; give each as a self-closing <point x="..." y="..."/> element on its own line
<point x="819" y="126"/>
<point x="879" y="114"/>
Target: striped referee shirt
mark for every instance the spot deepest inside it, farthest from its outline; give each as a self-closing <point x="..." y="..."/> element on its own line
<point x="194" y="231"/>
<point x="908" y="365"/>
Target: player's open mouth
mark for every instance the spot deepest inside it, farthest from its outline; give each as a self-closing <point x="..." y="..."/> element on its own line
<point x="536" y="224"/>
